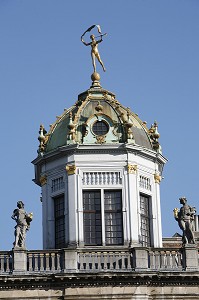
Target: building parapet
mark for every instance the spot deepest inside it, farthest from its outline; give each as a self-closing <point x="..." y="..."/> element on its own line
<point x="95" y="260"/>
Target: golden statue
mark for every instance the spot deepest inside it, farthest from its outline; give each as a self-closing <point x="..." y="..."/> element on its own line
<point x="94" y="46"/>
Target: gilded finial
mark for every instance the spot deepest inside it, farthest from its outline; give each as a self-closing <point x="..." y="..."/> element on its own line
<point x="154" y="135"/>
<point x="42" y="139"/>
<point x="71" y="127"/>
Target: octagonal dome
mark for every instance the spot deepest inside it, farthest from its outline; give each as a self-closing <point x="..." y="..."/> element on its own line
<point x="98" y="118"/>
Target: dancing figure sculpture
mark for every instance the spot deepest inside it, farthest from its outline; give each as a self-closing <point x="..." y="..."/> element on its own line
<point x="94" y="46"/>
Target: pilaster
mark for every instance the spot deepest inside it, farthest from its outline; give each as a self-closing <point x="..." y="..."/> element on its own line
<point x="132" y="196"/>
<point x="72" y="204"/>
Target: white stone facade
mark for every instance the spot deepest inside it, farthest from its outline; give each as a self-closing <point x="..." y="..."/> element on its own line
<point x="102" y="167"/>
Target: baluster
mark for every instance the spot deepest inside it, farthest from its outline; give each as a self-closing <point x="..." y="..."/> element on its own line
<point x="111" y="260"/>
<point x="122" y="267"/>
<point x="47" y="256"/>
<point x="53" y="261"/>
<point x="103" y="177"/>
<point x="168" y="255"/>
<point x="97" y="178"/>
<point x="117" y="267"/>
<point x="108" y="177"/>
<point x="152" y="260"/>
<point x="157" y="259"/>
<point x="2" y="263"/>
<point x="129" y="261"/>
<point x="30" y="260"/>
<point x="173" y="259"/>
<point x="93" y="261"/>
<point x="113" y="178"/>
<point x="99" y="260"/>
<point x="91" y="178"/>
<point x="88" y="259"/>
<point x="105" y="260"/>
<point x="36" y="256"/>
<point x="163" y="260"/>
<point x="81" y="261"/>
<point x="42" y="262"/>
<point x="116" y="177"/>
<point x="179" y="259"/>
<point x="58" y="262"/>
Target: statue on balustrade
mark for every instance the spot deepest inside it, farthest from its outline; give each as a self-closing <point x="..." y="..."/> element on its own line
<point x="185" y="219"/>
<point x="23" y="220"/>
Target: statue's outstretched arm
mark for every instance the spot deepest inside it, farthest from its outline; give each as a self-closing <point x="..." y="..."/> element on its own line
<point x="86" y="44"/>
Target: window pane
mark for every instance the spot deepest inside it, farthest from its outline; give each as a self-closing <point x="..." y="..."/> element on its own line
<point x="59" y="222"/>
<point x="92" y="217"/>
<point x="145" y="221"/>
<point x="100" y="128"/>
<point x="113" y="217"/>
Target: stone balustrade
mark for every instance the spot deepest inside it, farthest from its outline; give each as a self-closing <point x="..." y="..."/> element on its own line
<point x="95" y="260"/>
<point x="161" y="259"/>
<point x="6" y="262"/>
<point x="110" y="260"/>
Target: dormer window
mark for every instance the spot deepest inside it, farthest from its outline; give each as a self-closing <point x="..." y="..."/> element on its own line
<point x="100" y="128"/>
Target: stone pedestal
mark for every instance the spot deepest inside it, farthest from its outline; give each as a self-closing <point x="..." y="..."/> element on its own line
<point x="70" y="260"/>
<point x="190" y="257"/>
<point x="20" y="261"/>
<point x="140" y="258"/>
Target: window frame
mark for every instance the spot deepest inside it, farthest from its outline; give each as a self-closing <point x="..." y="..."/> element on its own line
<point x="59" y="221"/>
<point x="103" y="225"/>
<point x="146" y="239"/>
<point x="100" y="122"/>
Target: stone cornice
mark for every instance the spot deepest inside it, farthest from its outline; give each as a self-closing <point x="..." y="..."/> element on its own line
<point x="83" y="279"/>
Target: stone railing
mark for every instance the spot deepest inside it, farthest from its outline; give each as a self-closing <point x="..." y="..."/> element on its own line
<point x="110" y="260"/>
<point x="6" y="262"/>
<point x="45" y="261"/>
<point x="98" y="259"/>
<point x="165" y="259"/>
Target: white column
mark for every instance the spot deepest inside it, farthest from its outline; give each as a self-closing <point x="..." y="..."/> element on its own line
<point x="157" y="223"/>
<point x="133" y="203"/>
<point x="48" y="216"/>
<point x="103" y="218"/>
<point x="80" y="216"/>
<point x="72" y="204"/>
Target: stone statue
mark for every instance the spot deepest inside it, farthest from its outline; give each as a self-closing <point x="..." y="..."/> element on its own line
<point x="23" y="220"/>
<point x="94" y="46"/>
<point x="185" y="219"/>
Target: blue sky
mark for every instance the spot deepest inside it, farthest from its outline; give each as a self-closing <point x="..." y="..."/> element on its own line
<point x="151" y="54"/>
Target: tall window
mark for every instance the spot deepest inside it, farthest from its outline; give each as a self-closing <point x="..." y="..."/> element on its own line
<point x="57" y="184"/>
<point x="92" y="218"/>
<point x="145" y="220"/>
<point x="59" y="208"/>
<point x="112" y="226"/>
<point x="113" y="217"/>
